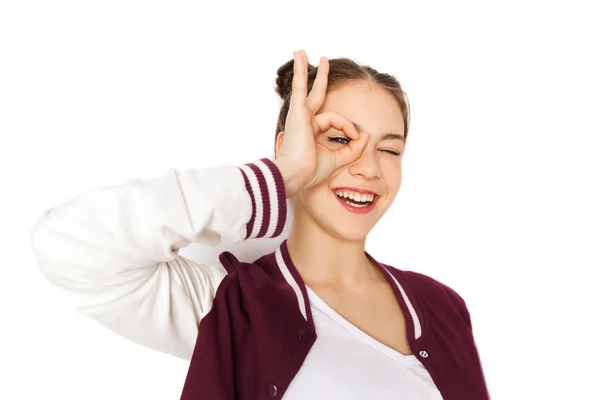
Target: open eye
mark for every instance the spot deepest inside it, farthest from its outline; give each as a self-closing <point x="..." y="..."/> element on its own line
<point x="339" y="139"/>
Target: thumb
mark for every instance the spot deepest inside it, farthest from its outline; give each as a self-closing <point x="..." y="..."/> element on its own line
<point x="352" y="151"/>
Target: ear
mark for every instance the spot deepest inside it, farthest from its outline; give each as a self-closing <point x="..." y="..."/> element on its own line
<point x="278" y="143"/>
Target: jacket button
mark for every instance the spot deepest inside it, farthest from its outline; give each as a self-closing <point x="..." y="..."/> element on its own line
<point x="302" y="335"/>
<point x="272" y="390"/>
<point x="424" y="354"/>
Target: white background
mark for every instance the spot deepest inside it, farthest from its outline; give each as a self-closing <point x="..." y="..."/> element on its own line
<point x="501" y="174"/>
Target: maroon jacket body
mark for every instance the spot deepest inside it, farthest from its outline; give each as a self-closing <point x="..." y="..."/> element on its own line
<point x="260" y="329"/>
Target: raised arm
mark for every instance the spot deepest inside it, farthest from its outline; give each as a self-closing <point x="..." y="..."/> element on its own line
<point x="113" y="251"/>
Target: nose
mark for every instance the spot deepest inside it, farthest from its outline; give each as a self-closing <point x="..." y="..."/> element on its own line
<point x="366" y="166"/>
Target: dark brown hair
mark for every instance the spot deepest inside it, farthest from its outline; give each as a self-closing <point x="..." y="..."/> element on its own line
<point x="341" y="71"/>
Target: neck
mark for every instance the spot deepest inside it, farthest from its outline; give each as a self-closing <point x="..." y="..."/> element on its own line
<point x="324" y="259"/>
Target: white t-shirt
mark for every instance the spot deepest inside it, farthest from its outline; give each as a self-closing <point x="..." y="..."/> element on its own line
<point x="346" y="363"/>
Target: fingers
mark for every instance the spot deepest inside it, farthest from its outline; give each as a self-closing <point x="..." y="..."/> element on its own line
<point x="351" y="152"/>
<point x="330" y="119"/>
<point x="300" y="95"/>
<point x="316" y="97"/>
<point x="299" y="81"/>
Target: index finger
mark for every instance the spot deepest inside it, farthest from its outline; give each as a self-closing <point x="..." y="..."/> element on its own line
<point x="332" y="119"/>
<point x="316" y="97"/>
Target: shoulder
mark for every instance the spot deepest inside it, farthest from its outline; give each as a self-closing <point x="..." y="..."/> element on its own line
<point x="429" y="283"/>
<point x="431" y="290"/>
<point x="265" y="266"/>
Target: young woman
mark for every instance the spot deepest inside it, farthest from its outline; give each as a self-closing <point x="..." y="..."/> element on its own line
<point x="318" y="318"/>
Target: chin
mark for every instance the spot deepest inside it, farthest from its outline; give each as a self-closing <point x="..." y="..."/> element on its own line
<point x="349" y="233"/>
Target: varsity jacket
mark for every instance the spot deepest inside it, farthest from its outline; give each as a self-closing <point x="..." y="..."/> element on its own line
<point x="245" y="327"/>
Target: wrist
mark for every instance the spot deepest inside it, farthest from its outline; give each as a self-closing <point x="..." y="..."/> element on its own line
<point x="290" y="178"/>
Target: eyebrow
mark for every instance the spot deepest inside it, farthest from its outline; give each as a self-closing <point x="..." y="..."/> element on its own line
<point x="386" y="136"/>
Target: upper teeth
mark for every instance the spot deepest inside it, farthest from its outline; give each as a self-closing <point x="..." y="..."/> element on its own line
<point x="355" y="196"/>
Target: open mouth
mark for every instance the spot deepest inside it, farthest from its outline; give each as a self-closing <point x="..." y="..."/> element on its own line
<point x="355" y="202"/>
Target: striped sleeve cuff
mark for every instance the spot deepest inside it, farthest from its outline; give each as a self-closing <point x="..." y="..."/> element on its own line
<point x="265" y="185"/>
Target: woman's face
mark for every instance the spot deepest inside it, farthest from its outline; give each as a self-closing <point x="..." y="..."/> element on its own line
<point x="378" y="171"/>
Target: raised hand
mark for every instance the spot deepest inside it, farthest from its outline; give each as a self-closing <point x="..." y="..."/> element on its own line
<point x="303" y="161"/>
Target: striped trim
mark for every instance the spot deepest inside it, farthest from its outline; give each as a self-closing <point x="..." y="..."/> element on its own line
<point x="281" y="213"/>
<point x="285" y="271"/>
<point x="411" y="309"/>
<point x="265" y="185"/>
<point x="252" y="188"/>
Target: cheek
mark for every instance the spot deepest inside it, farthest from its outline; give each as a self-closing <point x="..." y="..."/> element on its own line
<point x="315" y="194"/>
<point x="393" y="176"/>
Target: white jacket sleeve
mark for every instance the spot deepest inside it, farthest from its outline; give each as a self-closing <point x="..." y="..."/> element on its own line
<point x="113" y="251"/>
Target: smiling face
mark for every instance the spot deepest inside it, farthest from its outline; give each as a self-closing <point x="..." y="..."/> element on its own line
<point x="377" y="174"/>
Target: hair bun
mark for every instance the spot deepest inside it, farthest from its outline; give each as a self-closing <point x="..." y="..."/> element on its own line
<point x="285" y="76"/>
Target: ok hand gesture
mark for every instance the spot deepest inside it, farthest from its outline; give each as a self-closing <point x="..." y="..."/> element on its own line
<point x="303" y="162"/>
